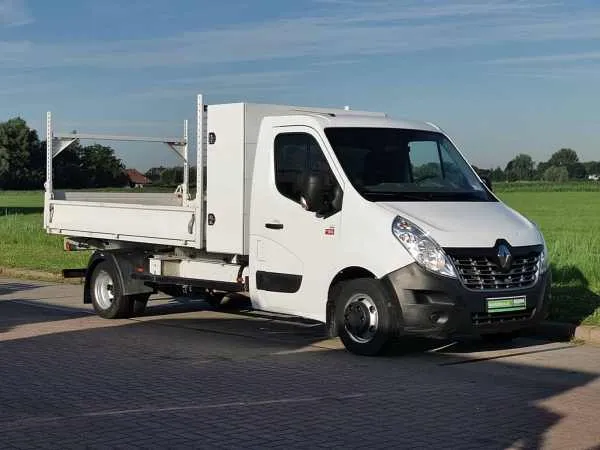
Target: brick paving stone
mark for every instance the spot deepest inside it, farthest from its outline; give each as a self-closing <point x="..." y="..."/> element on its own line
<point x="142" y="385"/>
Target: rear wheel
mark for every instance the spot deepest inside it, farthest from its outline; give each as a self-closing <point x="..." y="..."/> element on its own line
<point x="106" y="293"/>
<point x="364" y="317"/>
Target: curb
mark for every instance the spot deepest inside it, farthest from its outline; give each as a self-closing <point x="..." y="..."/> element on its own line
<point x="568" y="331"/>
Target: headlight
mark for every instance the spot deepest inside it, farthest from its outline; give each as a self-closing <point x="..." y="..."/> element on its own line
<point x="544" y="258"/>
<point x="425" y="250"/>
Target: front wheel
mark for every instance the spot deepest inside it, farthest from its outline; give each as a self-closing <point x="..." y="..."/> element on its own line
<point x="364" y="317"/>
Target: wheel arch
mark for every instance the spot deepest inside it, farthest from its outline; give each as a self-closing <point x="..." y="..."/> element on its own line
<point x="124" y="264"/>
<point x="346" y="274"/>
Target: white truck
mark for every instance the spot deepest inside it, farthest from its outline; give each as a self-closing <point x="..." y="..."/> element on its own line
<point x="378" y="228"/>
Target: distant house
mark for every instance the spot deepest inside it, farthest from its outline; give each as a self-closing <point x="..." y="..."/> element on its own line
<point x="137" y="179"/>
<point x="594" y="177"/>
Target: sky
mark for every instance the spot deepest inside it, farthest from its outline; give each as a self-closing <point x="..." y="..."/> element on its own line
<point x="501" y="77"/>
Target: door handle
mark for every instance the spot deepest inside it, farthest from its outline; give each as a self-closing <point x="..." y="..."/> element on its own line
<point x="274" y="226"/>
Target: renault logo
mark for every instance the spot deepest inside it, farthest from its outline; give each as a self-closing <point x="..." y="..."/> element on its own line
<point x="504" y="257"/>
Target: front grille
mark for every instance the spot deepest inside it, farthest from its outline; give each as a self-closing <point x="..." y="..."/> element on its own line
<point x="482" y="273"/>
<point x="488" y="319"/>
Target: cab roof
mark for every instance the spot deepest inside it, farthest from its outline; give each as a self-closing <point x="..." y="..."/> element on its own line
<point x="367" y="121"/>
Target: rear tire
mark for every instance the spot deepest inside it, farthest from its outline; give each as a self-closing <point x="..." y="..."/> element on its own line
<point x="364" y="316"/>
<point x="106" y="293"/>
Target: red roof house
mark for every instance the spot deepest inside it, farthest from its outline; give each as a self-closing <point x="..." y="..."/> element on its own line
<point x="137" y="179"/>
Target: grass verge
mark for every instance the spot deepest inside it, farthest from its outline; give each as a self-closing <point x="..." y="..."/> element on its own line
<point x="23" y="242"/>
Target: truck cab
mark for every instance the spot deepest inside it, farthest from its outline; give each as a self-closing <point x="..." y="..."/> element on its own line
<point x="376" y="227"/>
<point x="380" y="227"/>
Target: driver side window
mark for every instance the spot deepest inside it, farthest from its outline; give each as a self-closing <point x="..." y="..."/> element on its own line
<point x="296" y="156"/>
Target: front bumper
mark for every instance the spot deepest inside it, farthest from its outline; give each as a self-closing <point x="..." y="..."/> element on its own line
<point x="434" y="306"/>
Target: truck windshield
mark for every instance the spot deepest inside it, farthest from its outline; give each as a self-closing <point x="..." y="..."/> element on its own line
<point x="391" y="164"/>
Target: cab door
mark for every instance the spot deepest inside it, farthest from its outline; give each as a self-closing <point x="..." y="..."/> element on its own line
<point x="293" y="250"/>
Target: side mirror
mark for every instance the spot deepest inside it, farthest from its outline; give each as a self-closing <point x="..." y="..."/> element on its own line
<point x="487" y="182"/>
<point x="313" y="193"/>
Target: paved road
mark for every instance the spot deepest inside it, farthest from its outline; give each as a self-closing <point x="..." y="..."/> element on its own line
<point x="186" y="376"/>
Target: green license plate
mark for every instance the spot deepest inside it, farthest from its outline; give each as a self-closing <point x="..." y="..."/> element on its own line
<point x="506" y="304"/>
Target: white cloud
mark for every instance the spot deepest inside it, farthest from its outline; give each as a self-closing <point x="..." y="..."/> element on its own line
<point x="345" y="29"/>
<point x="217" y="84"/>
<point x="587" y="73"/>
<point x="14" y="13"/>
<point x="565" y="57"/>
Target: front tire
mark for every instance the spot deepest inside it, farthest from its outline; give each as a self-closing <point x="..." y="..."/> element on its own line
<point x="106" y="293"/>
<point x="364" y="317"/>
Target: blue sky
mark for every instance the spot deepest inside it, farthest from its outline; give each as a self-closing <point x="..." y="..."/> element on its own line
<point x="500" y="76"/>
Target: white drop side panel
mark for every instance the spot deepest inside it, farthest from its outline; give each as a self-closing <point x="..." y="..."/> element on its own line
<point x="158" y="224"/>
<point x="225" y="179"/>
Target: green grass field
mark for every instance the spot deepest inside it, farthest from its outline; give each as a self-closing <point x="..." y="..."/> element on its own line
<point x="569" y="216"/>
<point x="570" y="222"/>
<point x="23" y="242"/>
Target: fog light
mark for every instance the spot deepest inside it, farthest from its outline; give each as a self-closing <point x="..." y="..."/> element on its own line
<point x="439" y="318"/>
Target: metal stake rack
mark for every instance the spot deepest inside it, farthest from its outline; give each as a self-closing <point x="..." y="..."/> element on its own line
<point x="57" y="142"/>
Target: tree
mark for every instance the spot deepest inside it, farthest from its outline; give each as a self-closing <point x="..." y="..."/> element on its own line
<point x="67" y="168"/>
<point x="563" y="157"/>
<point x="497" y="174"/>
<point x="576" y="170"/>
<point x="17" y="142"/>
<point x="171" y="176"/>
<point x="520" y="168"/>
<point x="154" y="173"/>
<point x="102" y="167"/>
<point x="541" y="169"/>
<point x="93" y="166"/>
<point x="592" y="167"/>
<point x="37" y="167"/>
<point x="556" y="174"/>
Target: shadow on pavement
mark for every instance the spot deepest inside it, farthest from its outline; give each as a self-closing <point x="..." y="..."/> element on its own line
<point x="279" y="324"/>
<point x="7" y="288"/>
<point x="14" y="313"/>
<point x="227" y="386"/>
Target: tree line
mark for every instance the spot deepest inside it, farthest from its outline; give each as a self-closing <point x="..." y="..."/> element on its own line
<point x="563" y="165"/>
<point x="170" y="176"/>
<point x="23" y="165"/>
<point x="23" y="162"/>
